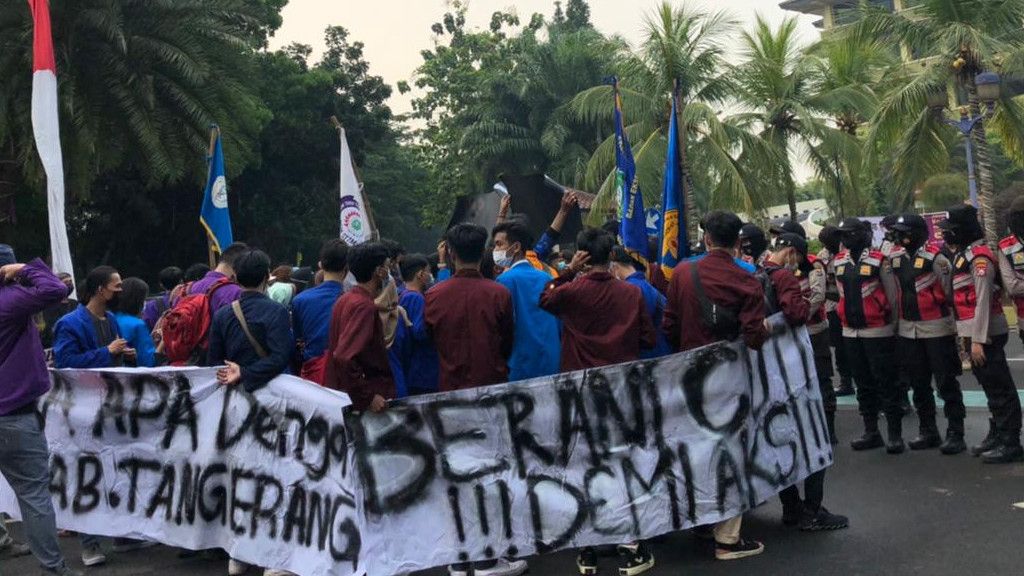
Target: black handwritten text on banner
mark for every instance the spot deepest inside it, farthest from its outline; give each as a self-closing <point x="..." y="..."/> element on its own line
<point x="277" y="479"/>
<point x="605" y="456"/>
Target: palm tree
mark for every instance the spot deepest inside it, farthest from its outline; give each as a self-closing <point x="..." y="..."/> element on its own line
<point x="787" y="102"/>
<point x="845" y="73"/>
<point x="140" y="83"/>
<point x="687" y="45"/>
<point x="953" y="41"/>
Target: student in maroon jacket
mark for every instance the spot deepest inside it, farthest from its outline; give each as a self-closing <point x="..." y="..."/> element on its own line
<point x="729" y="287"/>
<point x="470" y="317"/>
<point x="358" y="362"/>
<point x="472" y="324"/>
<point x="604" y="321"/>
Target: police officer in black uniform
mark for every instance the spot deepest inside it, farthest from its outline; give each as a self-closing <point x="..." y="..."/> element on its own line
<point x="927" y="333"/>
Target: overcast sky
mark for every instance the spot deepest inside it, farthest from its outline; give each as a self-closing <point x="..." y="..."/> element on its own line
<point x="395" y="31"/>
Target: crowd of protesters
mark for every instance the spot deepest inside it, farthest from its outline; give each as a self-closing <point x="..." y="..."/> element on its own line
<point x="496" y="306"/>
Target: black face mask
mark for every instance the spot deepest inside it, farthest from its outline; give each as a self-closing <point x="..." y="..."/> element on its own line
<point x="114" y="300"/>
<point x="855" y="242"/>
<point x="952" y="237"/>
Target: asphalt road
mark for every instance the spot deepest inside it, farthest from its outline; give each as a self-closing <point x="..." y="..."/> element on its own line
<point x="918" y="513"/>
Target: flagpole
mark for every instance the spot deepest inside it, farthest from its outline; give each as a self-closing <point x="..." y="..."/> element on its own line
<point x="214" y="132"/>
<point x="687" y="200"/>
<point x="369" y="209"/>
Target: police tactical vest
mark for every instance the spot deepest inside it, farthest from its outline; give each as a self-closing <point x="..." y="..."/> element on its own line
<point x="921" y="296"/>
<point x="1014" y="252"/>
<point x="862" y="300"/>
<point x="965" y="295"/>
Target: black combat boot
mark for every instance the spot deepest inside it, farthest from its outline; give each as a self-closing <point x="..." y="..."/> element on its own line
<point x="1004" y="454"/>
<point x="895" y="444"/>
<point x="871" y="439"/>
<point x="990" y="442"/>
<point x="929" y="436"/>
<point x="954" y="443"/>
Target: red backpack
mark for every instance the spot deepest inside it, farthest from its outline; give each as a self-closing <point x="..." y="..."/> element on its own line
<point x="186" y="327"/>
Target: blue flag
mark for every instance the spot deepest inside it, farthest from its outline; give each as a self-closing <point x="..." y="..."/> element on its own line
<point x="632" y="217"/>
<point x="674" y="244"/>
<point x="215" y="216"/>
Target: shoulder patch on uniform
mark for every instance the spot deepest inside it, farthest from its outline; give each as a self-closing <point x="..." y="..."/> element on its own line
<point x="1010" y="245"/>
<point x="981" y="267"/>
<point x="897" y="262"/>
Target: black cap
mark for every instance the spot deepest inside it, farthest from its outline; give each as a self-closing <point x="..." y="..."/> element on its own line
<point x="909" y="223"/>
<point x="789" y="227"/>
<point x="752" y="240"/>
<point x="787" y="240"/>
<point x="851" y="225"/>
<point x="962" y="216"/>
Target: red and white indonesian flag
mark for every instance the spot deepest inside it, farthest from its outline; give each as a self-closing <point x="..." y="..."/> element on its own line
<point x="355" y="220"/>
<point x="46" y="126"/>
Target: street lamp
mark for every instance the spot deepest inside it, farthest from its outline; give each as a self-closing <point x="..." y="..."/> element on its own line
<point x="989" y="90"/>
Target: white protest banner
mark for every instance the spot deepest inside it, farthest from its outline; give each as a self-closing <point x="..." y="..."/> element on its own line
<point x="604" y="456"/>
<point x="171" y="456"/>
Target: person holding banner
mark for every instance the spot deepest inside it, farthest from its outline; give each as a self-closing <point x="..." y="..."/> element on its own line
<point x="604" y="322"/>
<point x="471" y="321"/>
<point x="357" y="362"/>
<point x="27" y="290"/>
<point x="800" y="300"/>
<point x="709" y="300"/>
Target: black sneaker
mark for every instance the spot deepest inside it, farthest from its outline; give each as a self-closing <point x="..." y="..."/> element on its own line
<point x="586" y="561"/>
<point x="635" y="559"/>
<point x="741" y="549"/>
<point x="869" y="441"/>
<point x="895" y="446"/>
<point x="1003" y="455"/>
<point x="823" y="520"/>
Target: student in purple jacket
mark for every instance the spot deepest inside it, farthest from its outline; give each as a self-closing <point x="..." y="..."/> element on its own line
<point x="26" y="290"/>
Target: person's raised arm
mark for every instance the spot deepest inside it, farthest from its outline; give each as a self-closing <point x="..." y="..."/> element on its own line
<point x="33" y="288"/>
<point x="552" y="235"/>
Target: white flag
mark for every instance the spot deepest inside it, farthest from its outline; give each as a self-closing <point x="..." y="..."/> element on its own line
<point x="46" y="127"/>
<point x="355" y="220"/>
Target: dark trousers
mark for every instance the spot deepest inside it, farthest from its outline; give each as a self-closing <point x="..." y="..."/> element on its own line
<point x="823" y="366"/>
<point x="923" y="359"/>
<point x="814" y="493"/>
<point x="835" y="331"/>
<point x="814" y="485"/>
<point x="873" y="363"/>
<point x="997" y="382"/>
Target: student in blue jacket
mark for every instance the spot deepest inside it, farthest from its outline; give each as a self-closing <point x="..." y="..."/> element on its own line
<point x="89" y="337"/>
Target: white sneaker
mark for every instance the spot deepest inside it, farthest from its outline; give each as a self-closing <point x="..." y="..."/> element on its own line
<point x="237" y="567"/>
<point x="93" y="556"/>
<point x="276" y="572"/>
<point x="502" y="568"/>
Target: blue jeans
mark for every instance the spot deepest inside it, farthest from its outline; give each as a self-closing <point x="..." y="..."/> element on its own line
<point x="24" y="463"/>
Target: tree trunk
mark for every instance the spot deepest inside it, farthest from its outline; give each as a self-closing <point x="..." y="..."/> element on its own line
<point x="986" y="186"/>
<point x="787" y="177"/>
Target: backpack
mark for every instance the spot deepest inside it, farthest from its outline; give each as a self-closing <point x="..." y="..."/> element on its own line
<point x="185" y="328"/>
<point x="723" y="322"/>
